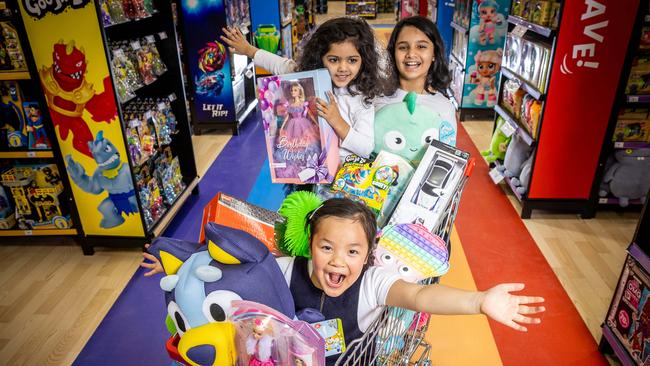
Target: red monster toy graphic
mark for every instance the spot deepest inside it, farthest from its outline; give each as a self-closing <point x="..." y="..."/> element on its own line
<point x="68" y="94"/>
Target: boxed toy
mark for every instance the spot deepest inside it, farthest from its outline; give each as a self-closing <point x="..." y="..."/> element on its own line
<point x="12" y="119"/>
<point x="632" y="130"/>
<point x="37" y="137"/>
<point x="433" y="186"/>
<point x="13" y="51"/>
<point x="302" y="147"/>
<point x="639" y="80"/>
<point x="231" y="212"/>
<point x="512" y="97"/>
<point x="629" y="315"/>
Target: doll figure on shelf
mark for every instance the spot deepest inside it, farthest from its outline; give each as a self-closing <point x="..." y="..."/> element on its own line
<point x="259" y="344"/>
<point x="489" y="21"/>
<point x="299" y="122"/>
<point x="488" y="64"/>
<point x="37" y="136"/>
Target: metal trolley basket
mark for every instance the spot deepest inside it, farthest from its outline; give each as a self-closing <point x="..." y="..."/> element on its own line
<point x="397" y="335"/>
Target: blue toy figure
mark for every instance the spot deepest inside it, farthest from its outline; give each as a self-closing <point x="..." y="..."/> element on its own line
<point x="36" y="130"/>
<point x="112" y="175"/>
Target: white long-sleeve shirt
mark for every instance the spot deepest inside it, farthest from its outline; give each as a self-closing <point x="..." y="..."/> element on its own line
<point x="360" y="116"/>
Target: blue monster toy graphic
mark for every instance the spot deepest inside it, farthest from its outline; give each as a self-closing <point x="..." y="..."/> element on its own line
<point x="112" y="175"/>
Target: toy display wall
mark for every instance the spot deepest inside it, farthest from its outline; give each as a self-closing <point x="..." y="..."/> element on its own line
<point x="480" y="29"/>
<point x="627" y="322"/>
<point x="444" y="16"/>
<point x="623" y="177"/>
<point x="548" y="108"/>
<point x="34" y="192"/>
<point x="221" y="83"/>
<point x="110" y="72"/>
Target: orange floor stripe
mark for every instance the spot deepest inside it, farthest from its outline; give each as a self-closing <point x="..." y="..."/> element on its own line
<point x="461" y="340"/>
<point x="499" y="248"/>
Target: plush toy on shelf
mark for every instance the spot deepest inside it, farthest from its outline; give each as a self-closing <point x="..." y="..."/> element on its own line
<point x="627" y="176"/>
<point x="522" y="183"/>
<point x="498" y="144"/>
<point x="516" y="154"/>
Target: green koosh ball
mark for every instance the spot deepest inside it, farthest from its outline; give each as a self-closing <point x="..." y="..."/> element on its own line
<point x="267" y="37"/>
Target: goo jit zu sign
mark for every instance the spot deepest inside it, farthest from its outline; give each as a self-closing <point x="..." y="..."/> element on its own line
<point x="40" y="8"/>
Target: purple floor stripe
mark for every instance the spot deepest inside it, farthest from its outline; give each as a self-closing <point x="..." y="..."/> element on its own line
<point x="133" y="331"/>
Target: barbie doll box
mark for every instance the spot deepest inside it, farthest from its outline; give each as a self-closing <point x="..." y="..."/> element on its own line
<point x="301" y="146"/>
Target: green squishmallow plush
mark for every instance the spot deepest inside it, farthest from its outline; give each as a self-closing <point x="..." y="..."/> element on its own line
<point x="407" y="128"/>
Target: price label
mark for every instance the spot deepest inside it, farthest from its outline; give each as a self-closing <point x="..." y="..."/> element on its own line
<point x="172" y="97"/>
<point x="134" y="123"/>
<point x="602" y="200"/>
<point x="519" y="31"/>
<point x="28" y="232"/>
<point x="508" y="129"/>
<point x="150" y="39"/>
<point x="633" y="98"/>
<point x="619" y="145"/>
<point x="162" y="35"/>
<point x="31" y="154"/>
<point x="640" y="158"/>
<point x="496" y="175"/>
<point x="135" y="45"/>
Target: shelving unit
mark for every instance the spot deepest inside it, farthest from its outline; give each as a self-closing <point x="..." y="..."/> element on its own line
<point x="626" y="318"/>
<point x="147" y="132"/>
<point x="627" y="97"/>
<point x="559" y="87"/>
<point x="476" y="52"/>
<point x="50" y="221"/>
<point x="364" y="9"/>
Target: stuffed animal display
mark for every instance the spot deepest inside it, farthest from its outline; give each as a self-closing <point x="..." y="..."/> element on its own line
<point x="627" y="176"/>
<point x="516" y="154"/>
<point x="201" y="283"/>
<point x="498" y="144"/>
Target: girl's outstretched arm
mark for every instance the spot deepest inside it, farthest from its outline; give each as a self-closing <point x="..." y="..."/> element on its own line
<point x="237" y="42"/>
<point x="497" y="302"/>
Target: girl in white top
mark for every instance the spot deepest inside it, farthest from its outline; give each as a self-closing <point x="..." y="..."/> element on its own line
<point x="417" y="55"/>
<point x="346" y="47"/>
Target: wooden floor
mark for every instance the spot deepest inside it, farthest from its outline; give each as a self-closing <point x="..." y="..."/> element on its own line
<point x="52" y="297"/>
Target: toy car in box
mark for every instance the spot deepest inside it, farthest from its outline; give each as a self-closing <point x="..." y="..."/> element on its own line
<point x="431" y="190"/>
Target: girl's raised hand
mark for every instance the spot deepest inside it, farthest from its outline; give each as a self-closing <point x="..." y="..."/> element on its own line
<point x="508" y="309"/>
<point x="330" y="111"/>
<point x="155" y="266"/>
<point x="237" y="42"/>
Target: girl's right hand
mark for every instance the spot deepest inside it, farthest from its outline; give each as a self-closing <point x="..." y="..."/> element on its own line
<point x="237" y="42"/>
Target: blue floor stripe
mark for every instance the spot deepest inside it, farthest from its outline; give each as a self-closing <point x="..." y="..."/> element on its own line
<point x="264" y="193"/>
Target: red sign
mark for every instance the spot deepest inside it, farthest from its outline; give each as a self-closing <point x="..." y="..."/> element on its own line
<point x="587" y="63"/>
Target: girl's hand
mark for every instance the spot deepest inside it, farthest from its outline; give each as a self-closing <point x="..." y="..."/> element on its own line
<point x="155" y="266"/>
<point x="237" y="42"/>
<point x="500" y="305"/>
<point x="330" y="111"/>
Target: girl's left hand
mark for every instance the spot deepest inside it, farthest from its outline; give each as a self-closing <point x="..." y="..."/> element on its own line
<point x="330" y="111"/>
<point x="500" y="305"/>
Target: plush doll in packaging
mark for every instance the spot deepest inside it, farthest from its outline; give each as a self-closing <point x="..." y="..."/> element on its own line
<point x="498" y="144"/>
<point x="628" y="175"/>
<point x="202" y="282"/>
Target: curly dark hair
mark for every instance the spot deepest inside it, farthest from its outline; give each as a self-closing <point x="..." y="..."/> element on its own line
<point x="337" y="30"/>
<point x="438" y="77"/>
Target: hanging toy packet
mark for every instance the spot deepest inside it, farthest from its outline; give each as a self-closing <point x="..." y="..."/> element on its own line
<point x="264" y="336"/>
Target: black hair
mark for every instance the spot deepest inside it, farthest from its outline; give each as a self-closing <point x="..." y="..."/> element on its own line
<point x="438" y="77"/>
<point x="337" y="30"/>
<point x="346" y="208"/>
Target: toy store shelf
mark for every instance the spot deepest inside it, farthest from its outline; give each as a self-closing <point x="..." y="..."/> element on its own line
<point x="14" y="75"/>
<point x="43" y="232"/>
<point x="459" y="27"/>
<point x="637" y="98"/>
<point x="530" y="89"/>
<point x="615" y="201"/>
<point x="26" y="154"/>
<point x="161" y="225"/>
<point x="126" y="30"/>
<point x="156" y="88"/>
<point x="541" y="30"/>
<point x="631" y="145"/>
<point x="619" y="350"/>
<point x="518" y="129"/>
<point x="509" y="183"/>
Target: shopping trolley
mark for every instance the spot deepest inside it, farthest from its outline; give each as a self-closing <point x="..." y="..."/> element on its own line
<point x="396" y="337"/>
